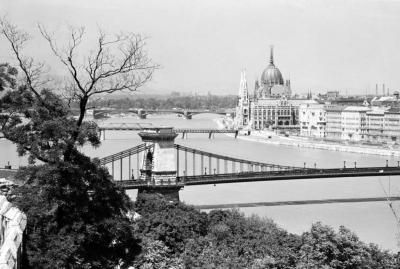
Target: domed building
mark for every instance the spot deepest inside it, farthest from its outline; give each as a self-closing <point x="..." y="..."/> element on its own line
<point x="271" y="106"/>
<point x="272" y="83"/>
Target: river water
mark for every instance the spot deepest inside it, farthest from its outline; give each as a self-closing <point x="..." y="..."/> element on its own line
<point x="372" y="221"/>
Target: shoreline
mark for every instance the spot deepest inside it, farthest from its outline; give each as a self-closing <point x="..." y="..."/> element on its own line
<point x="262" y="137"/>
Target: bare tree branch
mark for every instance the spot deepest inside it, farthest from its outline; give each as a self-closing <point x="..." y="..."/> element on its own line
<point x="33" y="72"/>
<point x="116" y="63"/>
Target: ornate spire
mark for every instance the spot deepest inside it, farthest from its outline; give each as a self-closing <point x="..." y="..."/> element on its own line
<point x="243" y="93"/>
<point x="271" y="57"/>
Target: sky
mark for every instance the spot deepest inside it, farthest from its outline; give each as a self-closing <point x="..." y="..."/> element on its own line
<point x="203" y="45"/>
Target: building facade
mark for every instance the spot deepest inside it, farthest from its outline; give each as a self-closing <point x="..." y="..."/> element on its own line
<point x="360" y="123"/>
<point x="375" y="124"/>
<point x="354" y="123"/>
<point x="312" y="120"/>
<point x="333" y="127"/>
<point x="268" y="112"/>
<point x="391" y="126"/>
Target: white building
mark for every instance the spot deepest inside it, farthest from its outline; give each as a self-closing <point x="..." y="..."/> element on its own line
<point x="312" y="120"/>
<point x="333" y="128"/>
<point x="354" y="123"/>
<point x="13" y="223"/>
<point x="375" y="124"/>
<point x="391" y="127"/>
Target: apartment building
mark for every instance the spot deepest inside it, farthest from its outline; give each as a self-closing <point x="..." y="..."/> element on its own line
<point x="375" y="124"/>
<point x="333" y="118"/>
<point x="391" y="127"/>
<point x="354" y="123"/>
<point x="312" y="120"/>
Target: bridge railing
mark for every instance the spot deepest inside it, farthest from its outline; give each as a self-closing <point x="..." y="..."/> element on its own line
<point x="286" y="174"/>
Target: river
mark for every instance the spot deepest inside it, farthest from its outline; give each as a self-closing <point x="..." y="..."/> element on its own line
<point x="372" y="221"/>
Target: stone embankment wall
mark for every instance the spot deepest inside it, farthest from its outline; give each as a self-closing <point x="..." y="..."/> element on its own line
<point x="12" y="227"/>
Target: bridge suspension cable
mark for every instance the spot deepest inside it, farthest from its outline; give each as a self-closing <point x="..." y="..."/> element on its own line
<point x="251" y="165"/>
<point x="124" y="154"/>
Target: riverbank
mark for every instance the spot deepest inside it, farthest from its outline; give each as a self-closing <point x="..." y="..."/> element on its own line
<point x="270" y="137"/>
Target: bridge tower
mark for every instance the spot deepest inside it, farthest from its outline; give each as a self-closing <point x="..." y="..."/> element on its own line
<point x="159" y="162"/>
<point x="141" y="114"/>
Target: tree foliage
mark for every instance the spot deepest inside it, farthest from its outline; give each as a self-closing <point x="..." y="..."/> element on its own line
<point x="322" y="247"/>
<point x="77" y="217"/>
<point x="45" y="133"/>
<point x="228" y="239"/>
<point x="170" y="222"/>
<point x="8" y="75"/>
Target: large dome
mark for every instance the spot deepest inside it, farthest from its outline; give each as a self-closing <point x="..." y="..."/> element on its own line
<point x="271" y="75"/>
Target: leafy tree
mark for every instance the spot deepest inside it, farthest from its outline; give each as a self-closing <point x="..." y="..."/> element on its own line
<point x="173" y="223"/>
<point x="176" y="235"/>
<point x="323" y="248"/>
<point x="7" y="76"/>
<point x="156" y="255"/>
<point x="77" y="217"/>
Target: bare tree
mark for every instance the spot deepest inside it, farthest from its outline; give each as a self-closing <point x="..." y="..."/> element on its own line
<point x="117" y="63"/>
<point x="33" y="71"/>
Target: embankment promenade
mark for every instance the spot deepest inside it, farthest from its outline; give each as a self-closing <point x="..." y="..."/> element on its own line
<point x="272" y="138"/>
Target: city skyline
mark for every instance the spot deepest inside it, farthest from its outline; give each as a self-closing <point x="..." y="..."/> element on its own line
<point x="202" y="46"/>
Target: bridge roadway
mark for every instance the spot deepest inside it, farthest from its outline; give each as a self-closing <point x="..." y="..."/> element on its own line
<point x="305" y="173"/>
<point x="178" y="130"/>
<point x="183" y="131"/>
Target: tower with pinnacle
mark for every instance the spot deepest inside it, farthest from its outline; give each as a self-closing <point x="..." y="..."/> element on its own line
<point x="243" y="105"/>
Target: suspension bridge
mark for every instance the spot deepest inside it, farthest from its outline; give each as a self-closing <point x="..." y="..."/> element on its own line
<point x="160" y="165"/>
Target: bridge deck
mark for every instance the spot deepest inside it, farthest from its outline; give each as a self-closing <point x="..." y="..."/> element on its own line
<point x="124" y="127"/>
<point x="266" y="176"/>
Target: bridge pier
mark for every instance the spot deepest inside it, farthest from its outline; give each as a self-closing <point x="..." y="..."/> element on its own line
<point x="142" y="114"/>
<point x="101" y="134"/>
<point x="187" y="115"/>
